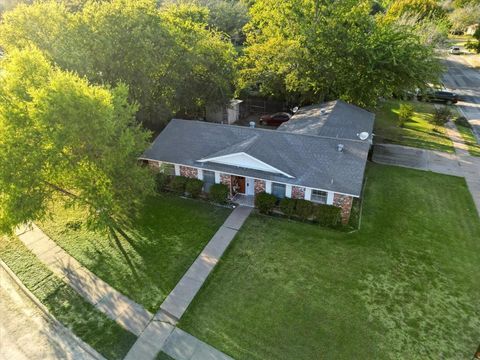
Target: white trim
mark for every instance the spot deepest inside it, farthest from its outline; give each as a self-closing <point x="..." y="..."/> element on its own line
<point x="229" y="173"/>
<point x="308" y="194"/>
<point x="330" y="195"/>
<point x="270" y="167"/>
<point x="217" y="177"/>
<point x="288" y="191"/>
<point x="177" y="169"/>
<point x="200" y="174"/>
<point x="268" y="186"/>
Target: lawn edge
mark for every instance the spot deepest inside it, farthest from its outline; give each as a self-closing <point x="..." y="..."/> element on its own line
<point x="90" y="350"/>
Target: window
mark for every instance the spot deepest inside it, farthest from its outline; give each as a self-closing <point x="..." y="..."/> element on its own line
<point x="168" y="169"/>
<point x="319" y="196"/>
<point x="208" y="180"/>
<point x="278" y="190"/>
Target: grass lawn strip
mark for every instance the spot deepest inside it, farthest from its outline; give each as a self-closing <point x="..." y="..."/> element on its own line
<point x="419" y="132"/>
<point x="470" y="140"/>
<point x="166" y="239"/>
<point x="93" y="327"/>
<point x="403" y="287"/>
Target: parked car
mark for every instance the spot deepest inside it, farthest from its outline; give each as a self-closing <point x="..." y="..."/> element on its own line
<point x="455" y="50"/>
<point x="275" y="119"/>
<point x="444" y="96"/>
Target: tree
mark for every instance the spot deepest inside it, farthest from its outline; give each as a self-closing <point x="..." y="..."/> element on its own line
<point x="474" y="45"/>
<point x="130" y="41"/>
<point x="405" y="114"/>
<point x="228" y="16"/>
<point x="461" y="18"/>
<point x="421" y="8"/>
<point x="306" y="51"/>
<point x="61" y="135"/>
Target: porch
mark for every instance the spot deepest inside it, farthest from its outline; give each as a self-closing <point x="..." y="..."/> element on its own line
<point x="245" y="200"/>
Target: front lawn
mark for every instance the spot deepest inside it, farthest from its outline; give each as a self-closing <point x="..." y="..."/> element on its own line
<point x="418" y="132"/>
<point x="92" y="326"/>
<point x="166" y="240"/>
<point x="403" y="287"/>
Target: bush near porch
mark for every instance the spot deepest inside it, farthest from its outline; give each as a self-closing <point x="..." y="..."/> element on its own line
<point x="403" y="287"/>
<point x="300" y="209"/>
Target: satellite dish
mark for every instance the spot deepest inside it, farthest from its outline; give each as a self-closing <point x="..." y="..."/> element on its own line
<point x="363" y="135"/>
<point x="295" y="109"/>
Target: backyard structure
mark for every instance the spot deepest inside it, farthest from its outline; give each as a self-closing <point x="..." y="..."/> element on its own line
<point x="318" y="155"/>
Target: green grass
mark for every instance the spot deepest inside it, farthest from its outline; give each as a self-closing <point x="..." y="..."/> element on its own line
<point x="418" y="132"/>
<point x="162" y="356"/>
<point x="470" y="140"/>
<point x="166" y="239"/>
<point x="403" y="287"/>
<point x="64" y="303"/>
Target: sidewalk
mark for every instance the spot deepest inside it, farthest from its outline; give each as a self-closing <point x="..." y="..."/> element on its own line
<point x="161" y="333"/>
<point x="470" y="165"/>
<point x="112" y="303"/>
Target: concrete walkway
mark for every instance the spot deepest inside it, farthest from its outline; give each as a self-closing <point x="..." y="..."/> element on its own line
<point x="469" y="165"/>
<point x="105" y="298"/>
<point x="161" y="333"/>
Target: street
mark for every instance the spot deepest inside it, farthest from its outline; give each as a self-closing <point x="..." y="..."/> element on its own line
<point x="26" y="333"/>
<point x="463" y="79"/>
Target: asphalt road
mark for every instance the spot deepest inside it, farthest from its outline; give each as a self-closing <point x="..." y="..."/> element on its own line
<point x="462" y="78"/>
<point x="26" y="333"/>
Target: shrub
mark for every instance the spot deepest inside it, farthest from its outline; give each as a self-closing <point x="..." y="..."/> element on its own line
<point x="405" y="113"/>
<point x="328" y="215"/>
<point x="462" y="121"/>
<point x="441" y="116"/>
<point x="304" y="209"/>
<point x="287" y="206"/>
<point x="194" y="187"/>
<point x="265" y="202"/>
<point x="161" y="181"/>
<point x="178" y="184"/>
<point x="218" y="193"/>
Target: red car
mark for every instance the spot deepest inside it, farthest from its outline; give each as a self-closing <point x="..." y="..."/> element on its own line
<point x="275" y="119"/>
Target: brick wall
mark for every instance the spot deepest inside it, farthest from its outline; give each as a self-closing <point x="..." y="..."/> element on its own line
<point x="259" y="186"/>
<point x="154" y="165"/>
<point x="188" y="172"/>
<point x="298" y="192"/>
<point x="344" y="202"/>
<point x="226" y="180"/>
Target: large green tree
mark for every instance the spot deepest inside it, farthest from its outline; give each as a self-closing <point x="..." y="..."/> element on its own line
<point x="171" y="63"/>
<point x="61" y="135"/>
<point x="307" y="50"/>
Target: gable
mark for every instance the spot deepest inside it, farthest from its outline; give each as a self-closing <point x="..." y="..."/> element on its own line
<point x="246" y="161"/>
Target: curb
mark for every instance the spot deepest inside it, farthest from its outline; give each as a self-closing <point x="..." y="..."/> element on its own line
<point x="91" y="351"/>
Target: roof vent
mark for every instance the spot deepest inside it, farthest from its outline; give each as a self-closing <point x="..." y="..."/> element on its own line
<point x="252" y="124"/>
<point x="363" y="135"/>
<point x="340" y="147"/>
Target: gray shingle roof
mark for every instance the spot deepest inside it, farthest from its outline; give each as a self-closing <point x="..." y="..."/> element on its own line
<point x="336" y="119"/>
<point x="313" y="161"/>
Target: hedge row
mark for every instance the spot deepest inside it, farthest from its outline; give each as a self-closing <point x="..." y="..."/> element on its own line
<point x="193" y="187"/>
<point x="326" y="215"/>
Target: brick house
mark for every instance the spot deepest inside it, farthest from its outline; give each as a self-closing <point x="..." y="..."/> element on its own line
<point x="319" y="155"/>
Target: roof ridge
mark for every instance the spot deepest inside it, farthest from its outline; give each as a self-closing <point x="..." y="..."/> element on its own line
<point x="273" y="131"/>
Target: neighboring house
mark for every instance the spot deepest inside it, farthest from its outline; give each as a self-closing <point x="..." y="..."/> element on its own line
<point x="317" y="155"/>
<point x="471" y="29"/>
<point x="226" y="114"/>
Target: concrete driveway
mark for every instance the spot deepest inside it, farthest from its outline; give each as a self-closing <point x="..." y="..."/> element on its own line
<point x="462" y="78"/>
<point x="26" y="333"/>
<point x="421" y="159"/>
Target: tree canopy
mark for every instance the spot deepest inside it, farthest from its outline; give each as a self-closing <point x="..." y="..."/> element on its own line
<point x="62" y="135"/>
<point x="132" y="41"/>
<point x="309" y="50"/>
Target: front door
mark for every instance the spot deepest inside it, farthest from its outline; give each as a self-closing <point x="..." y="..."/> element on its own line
<point x="250" y="186"/>
<point x="238" y="184"/>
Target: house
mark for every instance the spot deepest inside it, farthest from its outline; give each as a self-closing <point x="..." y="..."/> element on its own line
<point x="319" y="155"/>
